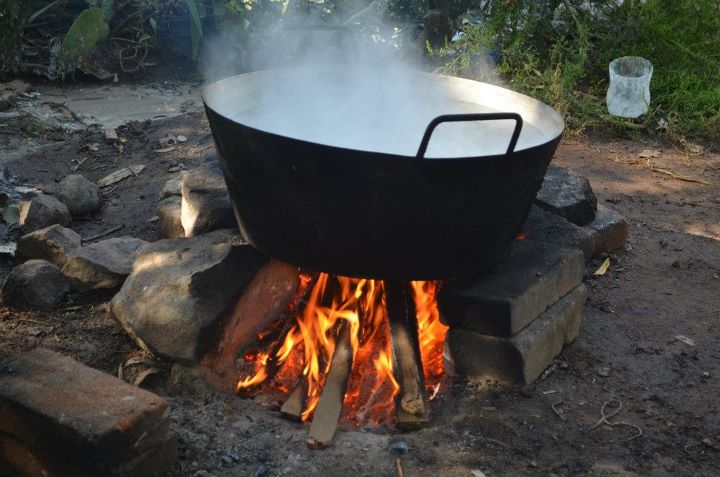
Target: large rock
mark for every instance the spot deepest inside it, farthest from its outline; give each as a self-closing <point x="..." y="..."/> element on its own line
<point x="519" y="359"/>
<point x="179" y="289"/>
<point x="505" y="300"/>
<point x="169" y="212"/>
<point x="205" y="202"/>
<point x="52" y="243"/>
<point x="38" y="211"/>
<point x="568" y="195"/>
<point x="35" y="285"/>
<point x="79" y="195"/>
<point x="104" y="264"/>
<point x="78" y="421"/>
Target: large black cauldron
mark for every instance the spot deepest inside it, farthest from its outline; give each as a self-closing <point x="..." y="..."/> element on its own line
<point x="356" y="206"/>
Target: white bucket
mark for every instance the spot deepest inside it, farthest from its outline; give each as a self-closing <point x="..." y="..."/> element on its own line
<point x="629" y="93"/>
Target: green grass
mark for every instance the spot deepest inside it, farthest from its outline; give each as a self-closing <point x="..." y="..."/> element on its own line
<point x="567" y="67"/>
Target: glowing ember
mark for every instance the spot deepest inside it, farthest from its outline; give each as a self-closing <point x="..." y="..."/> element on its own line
<point x="302" y="353"/>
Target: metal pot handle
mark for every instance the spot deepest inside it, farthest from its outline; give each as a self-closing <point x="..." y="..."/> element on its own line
<point x="454" y="118"/>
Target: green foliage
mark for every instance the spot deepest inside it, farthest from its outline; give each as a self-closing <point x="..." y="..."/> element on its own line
<point x="196" y="30"/>
<point x="86" y="31"/>
<point x="566" y="63"/>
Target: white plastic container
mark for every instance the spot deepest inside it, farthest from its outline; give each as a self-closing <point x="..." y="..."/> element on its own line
<point x="629" y="93"/>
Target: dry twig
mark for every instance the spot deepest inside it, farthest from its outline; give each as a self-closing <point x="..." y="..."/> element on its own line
<point x="399" y="467"/>
<point x="605" y="419"/>
<point x="103" y="234"/>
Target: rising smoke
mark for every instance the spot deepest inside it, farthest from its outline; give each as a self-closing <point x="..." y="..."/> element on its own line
<point x="359" y="87"/>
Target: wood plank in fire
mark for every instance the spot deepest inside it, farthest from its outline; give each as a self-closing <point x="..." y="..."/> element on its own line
<point x="411" y="406"/>
<point x="327" y="412"/>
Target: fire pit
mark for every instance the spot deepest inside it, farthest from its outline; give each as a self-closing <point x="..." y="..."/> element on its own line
<point x="397" y="187"/>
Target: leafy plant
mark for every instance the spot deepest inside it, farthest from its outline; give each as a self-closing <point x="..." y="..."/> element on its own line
<point x="559" y="52"/>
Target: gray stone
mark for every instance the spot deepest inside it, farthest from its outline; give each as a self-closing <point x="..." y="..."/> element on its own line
<point x="522" y="358"/>
<point x="568" y="195"/>
<point x="544" y="226"/>
<point x="35" y="285"/>
<point x="611" y="230"/>
<point x="38" y="211"/>
<point x="169" y="212"/>
<point x="171" y="188"/>
<point x="52" y="243"/>
<point x="205" y="202"/>
<point x="89" y="422"/>
<point x="505" y="300"/>
<point x="179" y="289"/>
<point x="103" y="264"/>
<point x="79" y="195"/>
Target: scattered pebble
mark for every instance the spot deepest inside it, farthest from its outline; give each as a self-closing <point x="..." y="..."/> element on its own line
<point x="398" y="445"/>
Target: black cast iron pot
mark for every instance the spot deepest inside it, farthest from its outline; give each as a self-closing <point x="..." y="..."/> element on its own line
<point x="322" y="170"/>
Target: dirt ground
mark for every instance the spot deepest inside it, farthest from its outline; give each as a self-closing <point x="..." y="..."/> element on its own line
<point x="664" y="285"/>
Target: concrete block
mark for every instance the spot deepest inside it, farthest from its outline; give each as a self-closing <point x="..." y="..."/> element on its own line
<point x="523" y="357"/>
<point x="505" y="300"/>
<point x="84" y="419"/>
<point x="568" y="195"/>
<point x="545" y="226"/>
<point x="611" y="230"/>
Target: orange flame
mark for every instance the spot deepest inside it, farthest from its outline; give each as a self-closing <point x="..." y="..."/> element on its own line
<point x="308" y="346"/>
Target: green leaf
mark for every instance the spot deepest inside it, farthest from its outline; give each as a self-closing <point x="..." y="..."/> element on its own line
<point x="40" y="11"/>
<point x="86" y="31"/>
<point x="195" y="27"/>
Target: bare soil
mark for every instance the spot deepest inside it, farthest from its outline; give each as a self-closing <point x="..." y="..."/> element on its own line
<point x="664" y="285"/>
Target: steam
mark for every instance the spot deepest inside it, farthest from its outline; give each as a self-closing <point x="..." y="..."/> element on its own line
<point x="359" y="88"/>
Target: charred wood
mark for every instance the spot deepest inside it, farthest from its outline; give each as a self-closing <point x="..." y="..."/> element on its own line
<point x="411" y="404"/>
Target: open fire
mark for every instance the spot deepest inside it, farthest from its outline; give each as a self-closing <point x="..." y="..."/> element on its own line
<point x="348" y="323"/>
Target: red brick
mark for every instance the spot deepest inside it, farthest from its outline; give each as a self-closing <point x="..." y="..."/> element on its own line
<point x="80" y="417"/>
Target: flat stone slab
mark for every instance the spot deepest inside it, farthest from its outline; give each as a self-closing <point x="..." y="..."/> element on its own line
<point x="544" y="226"/>
<point x="568" y="195"/>
<point x="53" y="244"/>
<point x="104" y="264"/>
<point x="83" y="418"/>
<point x="611" y="230"/>
<point x="506" y="299"/>
<point x="522" y="358"/>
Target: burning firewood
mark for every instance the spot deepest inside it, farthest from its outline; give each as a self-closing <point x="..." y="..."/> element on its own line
<point x="411" y="405"/>
<point x="295" y="405"/>
<point x="327" y="412"/>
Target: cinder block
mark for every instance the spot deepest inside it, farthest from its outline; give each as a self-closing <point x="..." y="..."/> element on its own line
<point x="568" y="195"/>
<point x="505" y="300"/>
<point x="523" y="357"/>
<point x="544" y="226"/>
<point x="611" y="230"/>
<point x="83" y="419"/>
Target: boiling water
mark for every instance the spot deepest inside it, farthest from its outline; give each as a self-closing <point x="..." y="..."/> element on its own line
<point x="389" y="125"/>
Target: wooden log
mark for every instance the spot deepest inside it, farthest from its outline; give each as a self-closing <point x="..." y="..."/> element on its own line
<point x="411" y="405"/>
<point x="327" y="412"/>
<point x="294" y="406"/>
